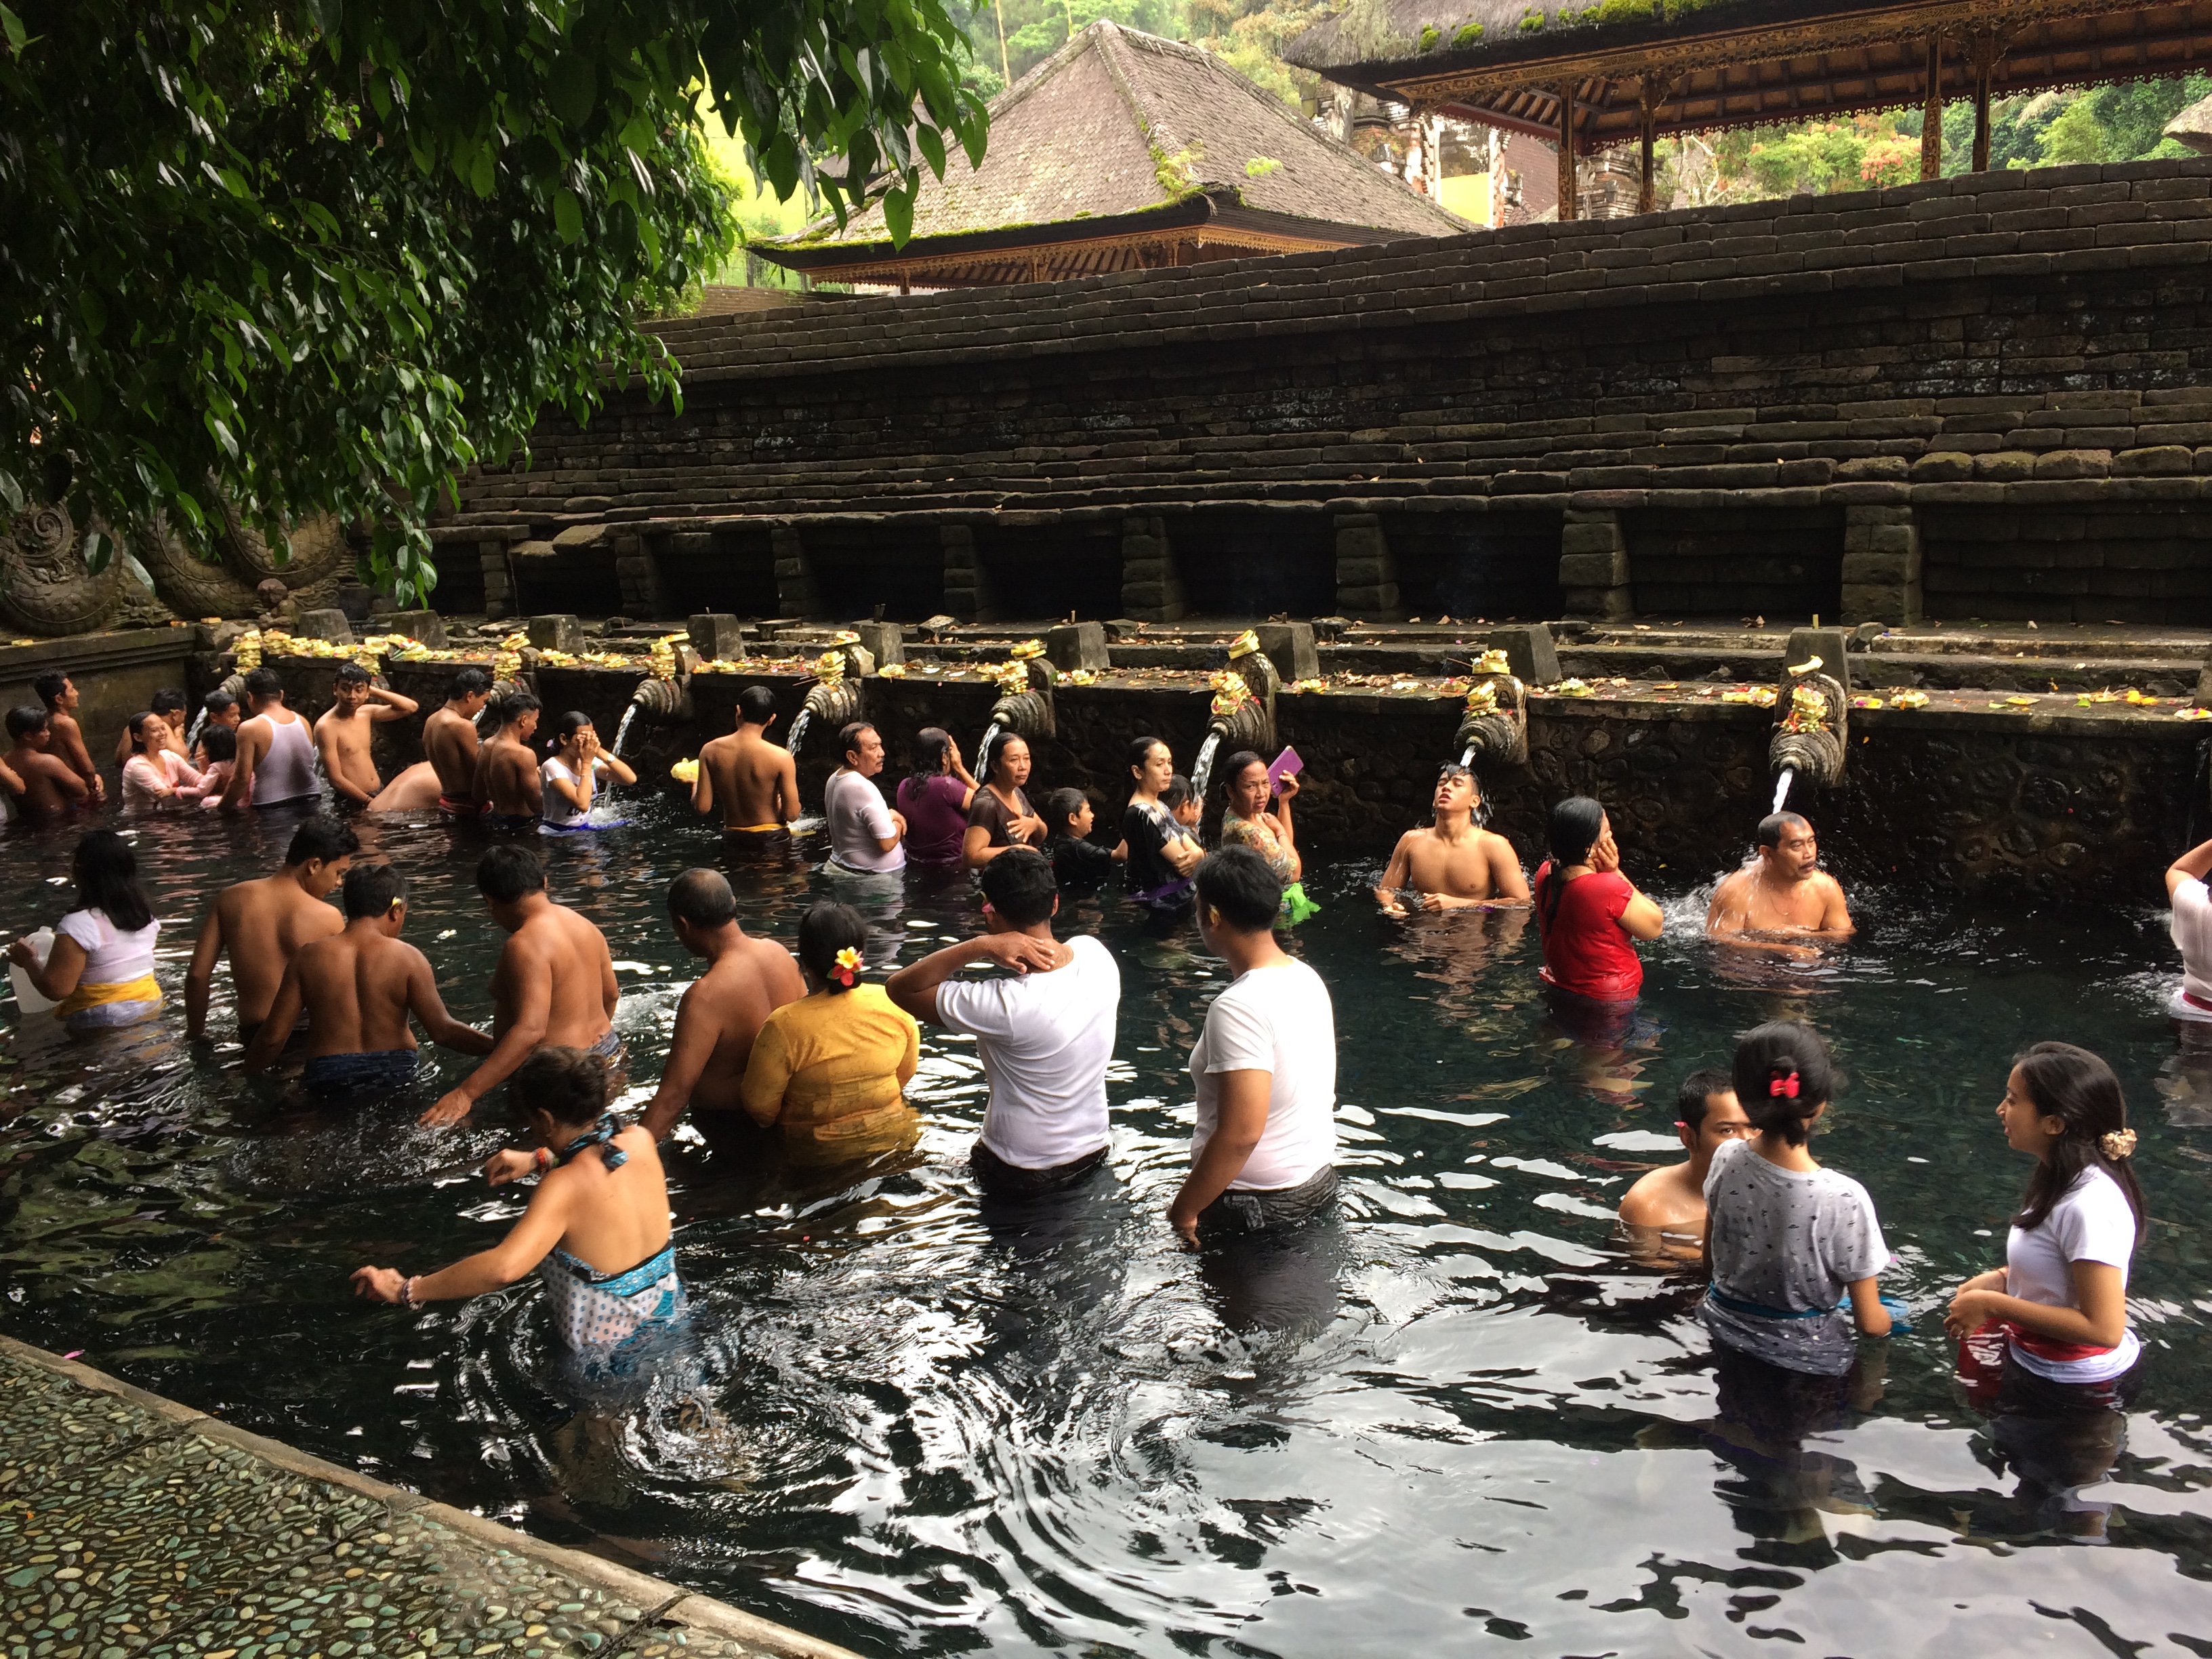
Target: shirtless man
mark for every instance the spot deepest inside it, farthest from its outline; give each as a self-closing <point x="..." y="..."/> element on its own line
<point x="261" y="923"/>
<point x="347" y="727"/>
<point x="1452" y="864"/>
<point x="276" y="757"/>
<point x="507" y="780"/>
<point x="757" y="781"/>
<point x="554" y="983"/>
<point x="447" y="778"/>
<point x="746" y="980"/>
<point x="358" y="987"/>
<point x="45" y="784"/>
<point x="169" y="704"/>
<point x="1664" y="1212"/>
<point x="59" y="694"/>
<point x="1783" y="890"/>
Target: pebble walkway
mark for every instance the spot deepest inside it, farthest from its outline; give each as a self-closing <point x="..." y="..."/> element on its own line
<point x="130" y="1525"/>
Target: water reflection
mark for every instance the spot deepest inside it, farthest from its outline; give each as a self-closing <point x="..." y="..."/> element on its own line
<point x="912" y="1422"/>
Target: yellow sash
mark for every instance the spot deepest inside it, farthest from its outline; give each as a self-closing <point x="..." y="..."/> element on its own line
<point x="141" y="989"/>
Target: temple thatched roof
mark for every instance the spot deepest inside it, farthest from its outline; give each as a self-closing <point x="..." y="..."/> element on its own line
<point x="1118" y="150"/>
<point x="2193" y="127"/>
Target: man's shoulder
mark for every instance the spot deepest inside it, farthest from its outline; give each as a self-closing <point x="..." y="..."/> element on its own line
<point x="1652" y="1200"/>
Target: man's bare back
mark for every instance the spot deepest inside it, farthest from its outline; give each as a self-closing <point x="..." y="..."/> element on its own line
<point x="50" y="786"/>
<point x="359" y="987"/>
<point x="716" y="1024"/>
<point x="507" y="777"/>
<point x="756" y="782"/>
<point x="258" y="926"/>
<point x="450" y="743"/>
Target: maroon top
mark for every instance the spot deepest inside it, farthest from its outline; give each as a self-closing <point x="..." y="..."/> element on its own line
<point x="936" y="821"/>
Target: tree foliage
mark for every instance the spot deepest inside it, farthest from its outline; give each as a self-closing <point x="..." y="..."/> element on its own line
<point x="321" y="255"/>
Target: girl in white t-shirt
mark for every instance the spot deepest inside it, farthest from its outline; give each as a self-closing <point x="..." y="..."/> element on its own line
<point x="571" y="776"/>
<point x="2061" y="1298"/>
<point x="100" y="971"/>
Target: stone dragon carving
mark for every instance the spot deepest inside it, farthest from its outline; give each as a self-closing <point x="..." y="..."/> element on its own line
<point x="45" y="588"/>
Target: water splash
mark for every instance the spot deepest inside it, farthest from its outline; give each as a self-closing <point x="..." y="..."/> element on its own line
<point x="983" y="753"/>
<point x="1782" y="786"/>
<point x="1467" y="760"/>
<point x="1202" y="772"/>
<point x="796" y="736"/>
<point x="621" y="730"/>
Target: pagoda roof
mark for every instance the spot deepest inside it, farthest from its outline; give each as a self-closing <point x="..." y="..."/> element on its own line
<point x="1706" y="65"/>
<point x="1116" y="146"/>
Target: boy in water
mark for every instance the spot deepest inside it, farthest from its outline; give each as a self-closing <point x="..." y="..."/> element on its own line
<point x="755" y="781"/>
<point x="358" y="987"/>
<point x="262" y="923"/>
<point x="507" y="780"/>
<point x="1664" y="1212"/>
<point x="1455" y="862"/>
<point x="223" y="714"/>
<point x="45" y="784"/>
<point x="596" y="1230"/>
<point x="446" y="777"/>
<point x="1080" y="864"/>
<point x="59" y="694"/>
<point x="346" y="728"/>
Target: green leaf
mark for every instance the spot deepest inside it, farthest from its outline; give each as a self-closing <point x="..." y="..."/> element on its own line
<point x="899" y="215"/>
<point x="572" y="88"/>
<point x="568" y="217"/>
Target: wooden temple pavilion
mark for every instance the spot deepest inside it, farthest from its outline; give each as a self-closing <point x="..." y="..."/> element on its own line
<point x="1122" y="151"/>
<point x="1590" y="76"/>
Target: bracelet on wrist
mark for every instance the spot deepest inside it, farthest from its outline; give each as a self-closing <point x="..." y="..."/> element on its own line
<point x="541" y="1160"/>
<point x="407" y="1292"/>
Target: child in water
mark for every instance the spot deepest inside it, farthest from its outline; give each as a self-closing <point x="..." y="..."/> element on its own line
<point x="1786" y="1240"/>
<point x="1182" y="804"/>
<point x="596" y="1230"/>
<point x="1080" y="864"/>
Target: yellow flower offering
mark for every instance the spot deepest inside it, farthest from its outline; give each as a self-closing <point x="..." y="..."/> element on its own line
<point x="1910" y="699"/>
<point x="684" y="771"/>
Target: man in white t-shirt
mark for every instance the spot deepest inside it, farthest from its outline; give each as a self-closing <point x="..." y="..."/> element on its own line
<point x="1046" y="1034"/>
<point x="2192" y="933"/>
<point x="1263" y="1153"/>
<point x="865" y="835"/>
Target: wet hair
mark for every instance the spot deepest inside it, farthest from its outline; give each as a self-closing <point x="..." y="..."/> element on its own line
<point x="1236" y="882"/>
<point x="569" y="1086"/>
<point x="2076" y="1086"/>
<point x="467" y="683"/>
<point x="352" y="673"/>
<point x="25" y="720"/>
<point x="1772" y="826"/>
<point x="1697" y="1088"/>
<point x="506" y="873"/>
<point x="106" y="872"/>
<point x="848" y="736"/>
<point x="264" y="684"/>
<point x="135" y="726"/>
<point x="49" y="688"/>
<point x="220" y="743"/>
<point x="756" y="706"/>
<point x="515" y="704"/>
<point x="1479" y="810"/>
<point x="825" y="930"/>
<point x="1020" y="885"/>
<point x="998" y="749"/>
<point x="569" y="724"/>
<point x="1233" y="767"/>
<point x="371" y="889"/>
<point x="167" y="700"/>
<point x="703" y="898"/>
<point x="1177" y="795"/>
<point x="1771" y="1058"/>
<point x="320" y="837"/>
<point x="216" y="701"/>
<point x="1569" y="833"/>
<point x="1060" y="810"/>
<point x="931" y="745"/>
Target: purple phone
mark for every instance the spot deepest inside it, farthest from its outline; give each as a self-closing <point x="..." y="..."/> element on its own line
<point x="1280" y="768"/>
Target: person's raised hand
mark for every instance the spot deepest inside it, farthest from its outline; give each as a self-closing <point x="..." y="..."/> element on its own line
<point x="1605" y="852"/>
<point x="449" y="1108"/>
<point x="1286" y="786"/>
<point x="378" y="1284"/>
<point x="1022" y="953"/>
<point x="502" y="1167"/>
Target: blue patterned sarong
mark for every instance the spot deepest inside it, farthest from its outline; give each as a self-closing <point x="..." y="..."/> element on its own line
<point x="595" y="1314"/>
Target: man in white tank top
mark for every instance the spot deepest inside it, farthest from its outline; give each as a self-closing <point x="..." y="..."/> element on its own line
<point x="275" y="756"/>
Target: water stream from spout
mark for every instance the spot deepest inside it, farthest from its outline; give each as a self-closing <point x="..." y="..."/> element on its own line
<point x="983" y="752"/>
<point x="797" y="733"/>
<point x="621" y="730"/>
<point x="1782" y="786"/>
<point x="1467" y="760"/>
<point x="1202" y="771"/>
<point x="192" y="731"/>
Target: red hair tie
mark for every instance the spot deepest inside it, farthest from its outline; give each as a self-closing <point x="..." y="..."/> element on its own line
<point x="1783" y="1088"/>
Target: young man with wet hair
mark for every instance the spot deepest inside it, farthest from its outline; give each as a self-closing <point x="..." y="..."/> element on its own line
<point x="1046" y="1034"/>
<point x="259" y="925"/>
<point x="346" y="730"/>
<point x="358" y="989"/>
<point x="1454" y="863"/>
<point x="1664" y="1212"/>
<point x="59" y="694"/>
<point x="554" y="983"/>
<point x="1782" y="892"/>
<point x="42" y="783"/>
<point x="507" y="777"/>
<point x="747" y="979"/>
<point x="446" y="777"/>
<point x="1264" y="1149"/>
<point x="221" y="713"/>
<point x="276" y="754"/>
<point x="754" y="782"/>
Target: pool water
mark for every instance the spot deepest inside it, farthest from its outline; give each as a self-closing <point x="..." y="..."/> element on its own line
<point x="1457" y="1418"/>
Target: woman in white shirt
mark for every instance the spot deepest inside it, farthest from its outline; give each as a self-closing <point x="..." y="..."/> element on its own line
<point x="156" y="773"/>
<point x="100" y="970"/>
<point x="571" y="776"/>
<point x="2060" y="1297"/>
<point x="2185" y="892"/>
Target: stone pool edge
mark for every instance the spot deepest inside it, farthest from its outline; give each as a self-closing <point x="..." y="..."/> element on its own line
<point x="667" y="1606"/>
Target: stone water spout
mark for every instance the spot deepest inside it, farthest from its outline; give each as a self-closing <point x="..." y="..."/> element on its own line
<point x="1811" y="710"/>
<point x="1493" y="732"/>
<point x="1243" y="708"/>
<point x="1025" y="696"/>
<point x="663" y="697"/>
<point x="835" y="699"/>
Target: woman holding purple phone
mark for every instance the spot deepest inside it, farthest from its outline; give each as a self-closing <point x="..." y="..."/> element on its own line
<point x="1247" y="822"/>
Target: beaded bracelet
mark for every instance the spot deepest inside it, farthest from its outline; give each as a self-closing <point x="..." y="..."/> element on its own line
<point x="407" y="1292"/>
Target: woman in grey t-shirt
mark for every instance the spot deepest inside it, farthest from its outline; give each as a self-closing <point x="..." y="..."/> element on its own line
<point x="1790" y="1245"/>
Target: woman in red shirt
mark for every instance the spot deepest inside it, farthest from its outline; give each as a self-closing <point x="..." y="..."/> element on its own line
<point x="1587" y="911"/>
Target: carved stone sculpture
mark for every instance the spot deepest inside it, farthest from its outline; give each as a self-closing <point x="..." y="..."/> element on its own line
<point x="45" y="588"/>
